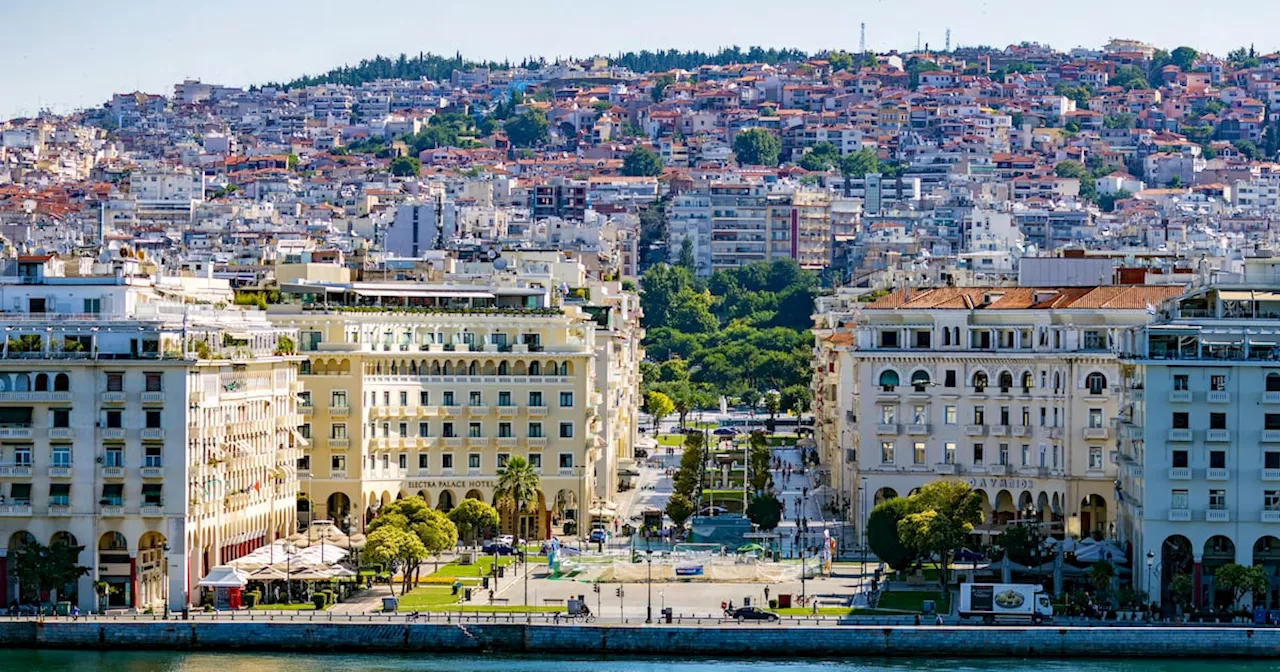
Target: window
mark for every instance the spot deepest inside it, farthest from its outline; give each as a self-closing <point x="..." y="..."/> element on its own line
<point x="1271" y="421"/>
<point x="153" y="419"/>
<point x="61" y="456"/>
<point x="338" y="431"/>
<point x="304" y="399"/>
<point x="949" y="453"/>
<point x="446" y="461"/>
<point x="1217" y="459"/>
<point x="535" y="399"/>
<point x="473" y="430"/>
<point x="1273" y="382"/>
<point x="1093" y="340"/>
<point x="979" y="454"/>
<point x="1217" y="500"/>
<point x="1004" y="454"/>
<point x="1027" y="381"/>
<point x="979" y="381"/>
<point x="424" y="398"/>
<point x="474" y="399"/>
<point x="949" y="378"/>
<point x="503" y="458"/>
<point x="1178" y="501"/>
<point x="566" y="400"/>
<point x="114" y="456"/>
<point x="918" y="452"/>
<point x="153" y="456"/>
<point x="886" y="452"/>
<point x="566" y="460"/>
<point x="153" y="382"/>
<point x="1026" y="416"/>
<point x="21" y="493"/>
<point x="338" y="399"/>
<point x="566" y="430"/>
<point x="93" y="306"/>
<point x="424" y="430"/>
<point x="1271" y="460"/>
<point x="115" y="419"/>
<point x="1026" y="455"/>
<point x="535" y="430"/>
<point x="115" y="382"/>
<point x="918" y="415"/>
<point x="504" y="430"/>
<point x="1181" y="420"/>
<point x="305" y="431"/>
<point x="888" y="339"/>
<point x="403" y="430"/>
<point x="1271" y="500"/>
<point x="1217" y="421"/>
<point x="446" y="430"/>
<point x="504" y="399"/>
<point x="888" y="380"/>
<point x="1181" y="382"/>
<point x="61" y="417"/>
<point x="922" y="339"/>
<point x="60" y="494"/>
<point x="979" y="415"/>
<point x="535" y="461"/>
<point x="112" y="494"/>
<point x="888" y="415"/>
<point x="949" y="415"/>
<point x="473" y="460"/>
<point x="404" y="398"/>
<point x="448" y="398"/>
<point x="1006" y="382"/>
<point x="1096" y="382"/>
<point x="1179" y="459"/>
<point x="386" y="397"/>
<point x="920" y="380"/>
<point x="1095" y="458"/>
<point x="404" y="461"/>
<point x="22" y="456"/>
<point x="1095" y="418"/>
<point x="1004" y="415"/>
<point x="338" y="463"/>
<point x="1218" y="383"/>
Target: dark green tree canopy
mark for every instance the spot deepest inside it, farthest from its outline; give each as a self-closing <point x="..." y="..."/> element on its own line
<point x="642" y="162"/>
<point x="756" y="147"/>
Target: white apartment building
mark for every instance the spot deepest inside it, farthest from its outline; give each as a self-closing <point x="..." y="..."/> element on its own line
<point x="156" y="433"/>
<point x="421" y="227"/>
<point x="1199" y="448"/>
<point x="1012" y="390"/>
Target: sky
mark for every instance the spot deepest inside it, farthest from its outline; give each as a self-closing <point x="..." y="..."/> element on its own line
<point x="67" y="54"/>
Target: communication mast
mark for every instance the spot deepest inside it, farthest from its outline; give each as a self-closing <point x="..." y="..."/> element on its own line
<point x="862" y="39"/>
<point x="948" y="40"/>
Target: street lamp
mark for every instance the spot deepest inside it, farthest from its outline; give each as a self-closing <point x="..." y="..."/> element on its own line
<point x="1151" y="562"/>
<point x="648" y="553"/>
<point x="164" y="562"/>
<point x="862" y="513"/>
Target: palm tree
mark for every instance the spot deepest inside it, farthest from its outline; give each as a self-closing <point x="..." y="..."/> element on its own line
<point x="518" y="485"/>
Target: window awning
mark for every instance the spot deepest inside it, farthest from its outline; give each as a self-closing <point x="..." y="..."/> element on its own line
<point x="1236" y="295"/>
<point x="56" y="489"/>
<point x="889" y="378"/>
<point x="152" y="488"/>
<point x="112" y="490"/>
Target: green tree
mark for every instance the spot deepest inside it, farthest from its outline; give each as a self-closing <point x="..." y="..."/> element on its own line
<point x="821" y="157"/>
<point x="758" y="458"/>
<point x="943" y="513"/>
<point x="1100" y="575"/>
<point x="1129" y="77"/>
<point x="765" y="511"/>
<point x="1247" y="149"/>
<point x="398" y="550"/>
<point x="840" y="60"/>
<point x="405" y="166"/>
<point x="679" y="508"/>
<point x="1020" y="543"/>
<point x="796" y="399"/>
<point x="686" y="254"/>
<point x="859" y="163"/>
<point x="756" y="147"/>
<point x="642" y="162"/>
<point x="1074" y="169"/>
<point x="659" y="406"/>
<point x="527" y="129"/>
<point x="471" y="517"/>
<point x="687" y="477"/>
<point x="1180" y="589"/>
<point x="38" y="567"/>
<point x="433" y="529"/>
<point x="772" y="404"/>
<point x="1108" y="201"/>
<point x="882" y="533"/>
<point x="1184" y="58"/>
<point x="1118" y="121"/>
<point x="517" y="488"/>
<point x="1241" y="580"/>
<point x="660" y="86"/>
<point x="1080" y="94"/>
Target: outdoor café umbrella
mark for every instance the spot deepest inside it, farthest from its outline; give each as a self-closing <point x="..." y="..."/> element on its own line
<point x="751" y="548"/>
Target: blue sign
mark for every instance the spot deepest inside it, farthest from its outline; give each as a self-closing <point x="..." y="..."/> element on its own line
<point x="691" y="570"/>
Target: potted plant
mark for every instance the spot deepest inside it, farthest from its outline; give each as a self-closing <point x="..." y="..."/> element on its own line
<point x="104" y="590"/>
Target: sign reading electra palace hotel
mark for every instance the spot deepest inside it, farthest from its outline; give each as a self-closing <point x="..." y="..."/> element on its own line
<point x="429" y="485"/>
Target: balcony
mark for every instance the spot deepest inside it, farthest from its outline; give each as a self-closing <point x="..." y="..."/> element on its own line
<point x="1217" y="474"/>
<point x="1217" y="516"/>
<point x="151" y="434"/>
<point x="1054" y="433"/>
<point x="62" y="433"/>
<point x="153" y="472"/>
<point x="477" y="410"/>
<point x="111" y="511"/>
<point x="1033" y="471"/>
<point x="337" y="473"/>
<point x="944" y="469"/>
<point x="1021" y="430"/>
<point x="1137" y="394"/>
<point x="453" y="442"/>
<point x="1217" y="436"/>
<point x="1000" y="430"/>
<point x="918" y="430"/>
<point x="339" y="443"/>
<point x="450" y="411"/>
<point x="1270" y="516"/>
<point x="153" y="397"/>
<point x="152" y="511"/>
<point x="339" y="410"/>
<point x="1218" y="397"/>
<point x="507" y="411"/>
<point x="536" y="410"/>
<point x="1271" y="397"/>
<point x="508" y="442"/>
<point x="537" y="441"/>
<point x="1271" y="435"/>
<point x="15" y="470"/>
<point x="113" y="472"/>
<point x="114" y="398"/>
<point x="59" y="510"/>
<point x="29" y="397"/>
<point x="1271" y="474"/>
<point x="15" y="510"/>
<point x="1179" y="515"/>
<point x="479" y="442"/>
<point x="975" y="430"/>
<point x="1097" y="432"/>
<point x="114" y="433"/>
<point x="998" y="469"/>
<point x="306" y="410"/>
<point x="890" y="429"/>
<point x="1179" y="473"/>
<point x="59" y="472"/>
<point x="1183" y="435"/>
<point x="1180" y="396"/>
<point x="16" y="432"/>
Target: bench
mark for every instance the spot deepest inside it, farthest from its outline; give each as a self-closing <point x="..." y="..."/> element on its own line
<point x="500" y="600"/>
<point x="552" y="600"/>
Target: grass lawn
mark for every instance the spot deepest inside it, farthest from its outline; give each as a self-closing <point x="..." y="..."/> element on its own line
<point x="911" y="600"/>
<point x="482" y="567"/>
<point x="834" y="611"/>
<point x="424" y="598"/>
<point x="297" y="606"/>
<point x="670" y="439"/>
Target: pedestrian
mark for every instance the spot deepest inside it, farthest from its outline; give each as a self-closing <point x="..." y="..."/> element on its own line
<point x="490" y="596"/>
<point x="939" y="621"/>
<point x="917" y="619"/>
<point x="766" y="594"/>
<point x="75" y="612"/>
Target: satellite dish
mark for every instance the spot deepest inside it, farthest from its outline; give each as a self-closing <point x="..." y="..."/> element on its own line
<point x="500" y="263"/>
<point x="491" y="254"/>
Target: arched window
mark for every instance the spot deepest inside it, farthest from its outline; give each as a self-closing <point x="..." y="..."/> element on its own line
<point x="304" y="368"/>
<point x="42" y="382"/>
<point x="1027" y="381"/>
<point x="535" y="368"/>
<point x="1057" y="382"/>
<point x="1273" y="382"/>
<point x="889" y="380"/>
<point x="1096" y="382"/>
<point x="472" y="370"/>
<point x="946" y="336"/>
<point x="919" y="380"/>
<point x="979" y="381"/>
<point x="503" y="369"/>
<point x="1006" y="381"/>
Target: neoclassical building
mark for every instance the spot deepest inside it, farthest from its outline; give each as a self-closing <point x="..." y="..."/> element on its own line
<point x="1013" y="390"/>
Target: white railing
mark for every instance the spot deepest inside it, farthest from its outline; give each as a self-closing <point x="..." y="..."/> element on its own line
<point x="1179" y="515"/>
<point x="15" y="470"/>
<point x="1217" y="516"/>
<point x="1179" y="474"/>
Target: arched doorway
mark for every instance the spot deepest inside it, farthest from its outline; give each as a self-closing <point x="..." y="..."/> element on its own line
<point x="1176" y="559"/>
<point x="566" y="507"/>
<point x="338" y="509"/>
<point x="881" y="495"/>
<point x="1218" y="551"/>
<point x="1266" y="554"/>
<point x="114" y="568"/>
<point x="304" y="509"/>
<point x="1005" y="511"/>
<point x="17" y="541"/>
<point x="153" y="571"/>
<point x="1093" y="516"/>
<point x="445" y="502"/>
<point x="528" y="524"/>
<point x="474" y="494"/>
<point x="987" y="511"/>
<point x="425" y="496"/>
<point x="71" y="591"/>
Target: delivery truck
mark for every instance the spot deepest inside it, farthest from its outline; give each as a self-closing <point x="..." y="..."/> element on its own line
<point x="994" y="602"/>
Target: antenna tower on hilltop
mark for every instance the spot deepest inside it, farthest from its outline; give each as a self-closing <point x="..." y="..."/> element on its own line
<point x="862" y="39"/>
<point x="948" y="40"/>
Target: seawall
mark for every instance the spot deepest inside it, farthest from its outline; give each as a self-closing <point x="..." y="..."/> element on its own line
<point x="751" y="641"/>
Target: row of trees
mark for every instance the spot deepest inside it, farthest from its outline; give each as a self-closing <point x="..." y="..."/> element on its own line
<point x="933" y="522"/>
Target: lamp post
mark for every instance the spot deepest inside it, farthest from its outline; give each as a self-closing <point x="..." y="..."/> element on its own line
<point x="164" y="562"/>
<point x="862" y="513"/>
<point x="648" y="614"/>
<point x="1151" y="562"/>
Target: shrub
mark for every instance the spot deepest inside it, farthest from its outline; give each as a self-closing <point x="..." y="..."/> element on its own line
<point x="252" y="599"/>
<point x="320" y="600"/>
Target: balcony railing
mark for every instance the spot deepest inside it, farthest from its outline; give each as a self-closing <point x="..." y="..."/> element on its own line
<point x="153" y="472"/>
<point x="19" y="509"/>
<point x="1217" y="475"/>
<point x="1179" y="473"/>
<point x="1179" y="515"/>
<point x="339" y="443"/>
<point x="111" y="510"/>
<point x="115" y="433"/>
<point x="1218" y="397"/>
<point x="1271" y="474"/>
<point x="152" y="434"/>
<point x="153" y="397"/>
<point x="113" y="397"/>
<point x="1000" y="430"/>
<point x="1180" y="396"/>
<point x="16" y="432"/>
<point x="339" y="410"/>
<point x="886" y="428"/>
<point x="944" y="469"/>
<point x="62" y="433"/>
<point x="1217" y="435"/>
<point x="1271" y="435"/>
<point x="152" y="511"/>
<point x="1217" y="516"/>
<point x="35" y="397"/>
<point x="975" y="430"/>
<point x="1181" y="435"/>
<point x="1270" y="516"/>
<point x="15" y="470"/>
<point x="1271" y="397"/>
<point x="1096" y="432"/>
<point x="59" y="472"/>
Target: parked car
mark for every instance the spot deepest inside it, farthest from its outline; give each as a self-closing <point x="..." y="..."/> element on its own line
<point x="752" y="614"/>
<point x="493" y="548"/>
<point x="508" y="540"/>
<point x="599" y="536"/>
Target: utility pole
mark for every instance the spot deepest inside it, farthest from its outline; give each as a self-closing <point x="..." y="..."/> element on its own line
<point x="862" y="39"/>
